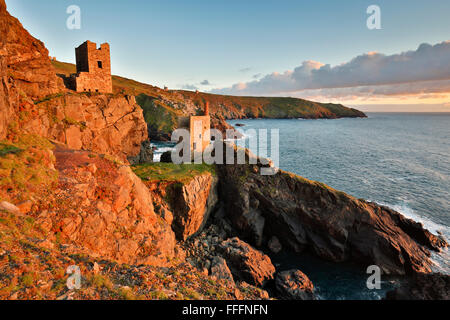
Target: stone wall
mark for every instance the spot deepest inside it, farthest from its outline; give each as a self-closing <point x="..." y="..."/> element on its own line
<point x="93" y="68"/>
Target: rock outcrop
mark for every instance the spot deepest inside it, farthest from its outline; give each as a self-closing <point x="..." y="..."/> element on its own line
<point x="105" y="208"/>
<point x="423" y="287"/>
<point x="101" y="123"/>
<point x="145" y="155"/>
<point x="220" y="270"/>
<point x="192" y="203"/>
<point x="26" y="59"/>
<point x="187" y="204"/>
<point x="304" y="214"/>
<point x="247" y="263"/>
<point x="294" y="285"/>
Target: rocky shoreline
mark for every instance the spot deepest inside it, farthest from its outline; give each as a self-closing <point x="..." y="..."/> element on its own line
<point x="69" y="195"/>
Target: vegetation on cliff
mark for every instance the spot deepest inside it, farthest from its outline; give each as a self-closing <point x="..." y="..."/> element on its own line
<point x="169" y="172"/>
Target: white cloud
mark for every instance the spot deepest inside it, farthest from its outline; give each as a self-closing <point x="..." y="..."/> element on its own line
<point x="427" y="65"/>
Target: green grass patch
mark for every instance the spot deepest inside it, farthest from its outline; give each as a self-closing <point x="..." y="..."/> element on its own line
<point x="171" y="172"/>
<point x="6" y="149"/>
<point x="26" y="164"/>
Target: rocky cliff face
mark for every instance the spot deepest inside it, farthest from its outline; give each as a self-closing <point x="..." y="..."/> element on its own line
<point x="106" y="209"/>
<point x="34" y="100"/>
<point x="192" y="204"/>
<point x="186" y="205"/>
<point x="26" y="59"/>
<point x="421" y="286"/>
<point x="83" y="198"/>
<point x="304" y="214"/>
<point x="101" y="123"/>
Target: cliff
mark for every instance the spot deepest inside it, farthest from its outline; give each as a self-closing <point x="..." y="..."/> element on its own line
<point x="68" y="196"/>
<point x="423" y="287"/>
<point x="185" y="195"/>
<point x="34" y="101"/>
<point x="308" y="215"/>
<point x="163" y="108"/>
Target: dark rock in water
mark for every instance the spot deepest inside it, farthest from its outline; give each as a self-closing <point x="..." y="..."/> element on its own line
<point x="166" y="157"/>
<point x="247" y="263"/>
<point x="294" y="285"/>
<point x="145" y="155"/>
<point x="333" y="225"/>
<point x="274" y="245"/>
<point x="422" y="286"/>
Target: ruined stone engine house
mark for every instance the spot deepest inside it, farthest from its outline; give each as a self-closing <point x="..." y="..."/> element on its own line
<point x="93" y="68"/>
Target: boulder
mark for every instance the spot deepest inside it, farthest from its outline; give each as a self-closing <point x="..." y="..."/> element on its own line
<point x="274" y="245"/>
<point x="294" y="285"/>
<point x="145" y="155"/>
<point x="166" y="157"/>
<point x="247" y="263"/>
<point x="220" y="270"/>
<point x="9" y="207"/>
<point x="422" y="286"/>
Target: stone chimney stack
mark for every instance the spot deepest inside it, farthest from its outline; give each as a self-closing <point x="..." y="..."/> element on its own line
<point x="207" y="108"/>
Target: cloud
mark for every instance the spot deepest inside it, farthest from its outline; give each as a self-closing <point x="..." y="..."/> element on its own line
<point x="189" y="87"/>
<point x="244" y="70"/>
<point x="205" y="83"/>
<point x="447" y="104"/>
<point x="427" y="63"/>
<point x="257" y="76"/>
<point x="413" y="88"/>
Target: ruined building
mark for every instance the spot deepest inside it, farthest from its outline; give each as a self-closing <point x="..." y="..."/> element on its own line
<point x="199" y="128"/>
<point x="93" y="68"/>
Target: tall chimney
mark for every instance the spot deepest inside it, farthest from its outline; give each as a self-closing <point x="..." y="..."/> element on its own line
<point x="207" y="108"/>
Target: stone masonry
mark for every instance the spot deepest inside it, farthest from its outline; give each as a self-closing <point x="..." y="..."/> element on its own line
<point x="93" y="68"/>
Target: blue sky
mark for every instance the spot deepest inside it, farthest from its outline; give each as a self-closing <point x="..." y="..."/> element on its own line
<point x="178" y="43"/>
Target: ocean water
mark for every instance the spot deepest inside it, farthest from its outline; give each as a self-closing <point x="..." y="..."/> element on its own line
<point x="160" y="148"/>
<point x="395" y="159"/>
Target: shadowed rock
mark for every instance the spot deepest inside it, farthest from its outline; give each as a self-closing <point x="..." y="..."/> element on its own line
<point x="423" y="287"/>
<point x="305" y="214"/>
<point x="294" y="285"/>
<point x="247" y="263"/>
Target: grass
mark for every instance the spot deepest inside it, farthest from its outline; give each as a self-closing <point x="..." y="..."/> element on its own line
<point x="6" y="149"/>
<point x="27" y="280"/>
<point x="160" y="117"/>
<point x="25" y="165"/>
<point x="170" y="172"/>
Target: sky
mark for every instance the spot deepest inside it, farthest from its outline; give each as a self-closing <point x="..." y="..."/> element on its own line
<point x="318" y="50"/>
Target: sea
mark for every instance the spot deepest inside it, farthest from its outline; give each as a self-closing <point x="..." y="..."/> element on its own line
<point x="401" y="160"/>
